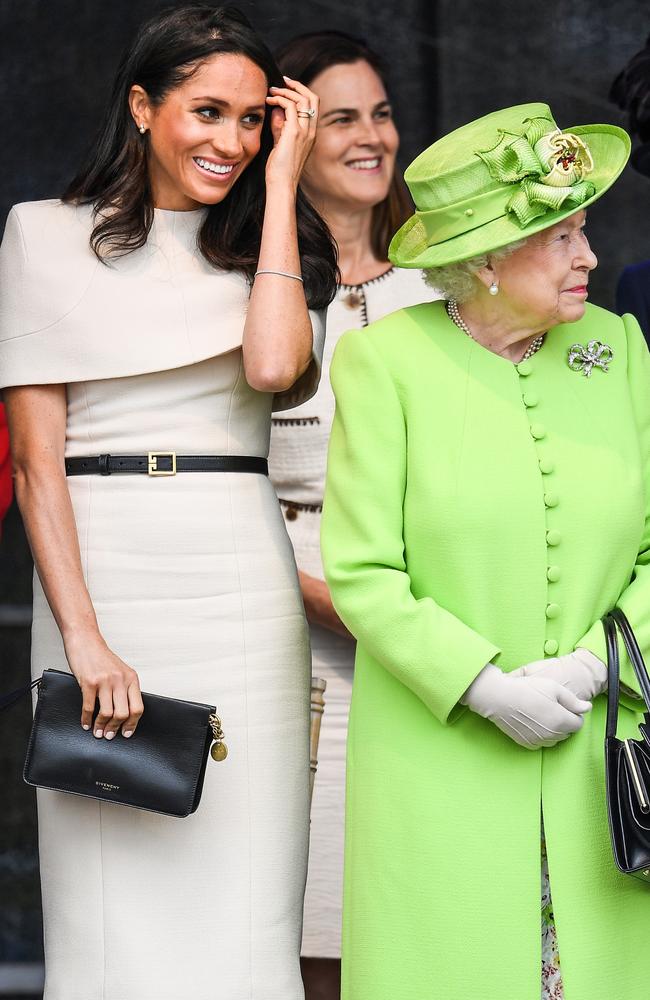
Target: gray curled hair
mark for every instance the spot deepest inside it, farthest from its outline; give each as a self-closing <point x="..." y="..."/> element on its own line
<point x="458" y="281"/>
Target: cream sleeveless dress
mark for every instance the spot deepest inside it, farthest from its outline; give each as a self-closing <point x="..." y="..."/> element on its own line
<point x="194" y="584"/>
<point x="297" y="462"/>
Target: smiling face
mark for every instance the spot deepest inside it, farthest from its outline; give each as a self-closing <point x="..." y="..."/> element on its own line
<point x="205" y="133"/>
<point x="545" y="282"/>
<point x="352" y="162"/>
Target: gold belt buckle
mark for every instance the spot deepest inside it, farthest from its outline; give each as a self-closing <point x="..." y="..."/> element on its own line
<point x="152" y="463"/>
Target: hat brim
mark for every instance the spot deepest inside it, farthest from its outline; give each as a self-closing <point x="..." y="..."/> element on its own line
<point x="610" y="149"/>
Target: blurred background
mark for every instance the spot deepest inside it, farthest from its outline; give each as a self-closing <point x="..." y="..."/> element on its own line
<point x="450" y="60"/>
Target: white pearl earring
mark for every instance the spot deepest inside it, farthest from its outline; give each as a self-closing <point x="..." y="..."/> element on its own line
<point x="143" y="128"/>
<point x="493" y="289"/>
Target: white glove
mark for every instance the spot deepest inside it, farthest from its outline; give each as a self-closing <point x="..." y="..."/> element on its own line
<point x="581" y="672"/>
<point x="532" y="711"/>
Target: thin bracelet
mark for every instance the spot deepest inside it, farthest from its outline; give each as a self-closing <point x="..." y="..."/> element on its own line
<point x="283" y="274"/>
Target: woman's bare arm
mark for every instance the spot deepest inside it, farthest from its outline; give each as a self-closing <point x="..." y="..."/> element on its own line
<point x="318" y="604"/>
<point x="277" y="341"/>
<point x="37" y="419"/>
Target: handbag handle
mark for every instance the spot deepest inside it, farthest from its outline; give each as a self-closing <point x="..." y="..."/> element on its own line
<point x="6" y="700"/>
<point x="617" y="619"/>
<point x="634" y="653"/>
<point x="613" y="675"/>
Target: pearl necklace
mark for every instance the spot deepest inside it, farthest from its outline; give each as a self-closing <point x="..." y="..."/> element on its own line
<point x="454" y="315"/>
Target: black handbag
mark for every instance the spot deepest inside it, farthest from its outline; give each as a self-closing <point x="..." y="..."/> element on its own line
<point x="160" y="768"/>
<point x="627" y="762"/>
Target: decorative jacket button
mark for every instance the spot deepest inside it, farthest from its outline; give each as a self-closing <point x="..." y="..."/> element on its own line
<point x="551" y="647"/>
<point x="524" y="367"/>
<point x="352" y="300"/>
<point x="538" y="431"/>
<point x="553" y="574"/>
<point x="546" y="466"/>
<point x="553" y="537"/>
<point x="530" y="399"/>
<point x="552" y="610"/>
<point x="551" y="499"/>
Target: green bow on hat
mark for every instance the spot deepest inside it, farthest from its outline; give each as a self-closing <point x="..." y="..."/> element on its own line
<point x="550" y="165"/>
<point x="500" y="178"/>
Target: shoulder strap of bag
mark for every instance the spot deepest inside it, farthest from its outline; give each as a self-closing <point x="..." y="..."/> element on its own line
<point x="613" y="674"/>
<point x="634" y="653"/>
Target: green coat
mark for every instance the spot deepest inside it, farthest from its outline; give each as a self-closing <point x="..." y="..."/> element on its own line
<point x="476" y="511"/>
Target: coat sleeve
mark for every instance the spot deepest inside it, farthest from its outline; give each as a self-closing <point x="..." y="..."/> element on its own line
<point x="635" y="598"/>
<point x="424" y="646"/>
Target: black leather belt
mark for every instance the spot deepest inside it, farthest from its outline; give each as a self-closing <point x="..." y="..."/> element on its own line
<point x="163" y="463"/>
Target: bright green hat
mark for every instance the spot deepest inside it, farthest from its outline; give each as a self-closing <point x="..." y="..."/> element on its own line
<point x="501" y="178"/>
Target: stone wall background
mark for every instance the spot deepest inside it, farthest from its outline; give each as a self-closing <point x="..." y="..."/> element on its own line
<point x="451" y="60"/>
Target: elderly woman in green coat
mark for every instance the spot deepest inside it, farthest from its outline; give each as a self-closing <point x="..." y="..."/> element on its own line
<point x="488" y="501"/>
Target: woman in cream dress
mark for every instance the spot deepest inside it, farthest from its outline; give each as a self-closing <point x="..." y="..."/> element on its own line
<point x="350" y="176"/>
<point x="185" y="584"/>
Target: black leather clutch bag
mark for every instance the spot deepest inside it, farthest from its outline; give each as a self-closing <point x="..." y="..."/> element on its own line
<point x="160" y="768"/>
<point x="627" y="761"/>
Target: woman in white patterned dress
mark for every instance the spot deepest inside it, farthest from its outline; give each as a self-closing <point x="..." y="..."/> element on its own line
<point x="350" y="177"/>
<point x="132" y="321"/>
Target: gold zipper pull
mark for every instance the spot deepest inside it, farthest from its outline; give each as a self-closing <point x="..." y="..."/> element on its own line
<point x="218" y="750"/>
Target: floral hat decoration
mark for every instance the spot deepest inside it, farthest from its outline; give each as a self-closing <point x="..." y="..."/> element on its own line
<point x="501" y="178"/>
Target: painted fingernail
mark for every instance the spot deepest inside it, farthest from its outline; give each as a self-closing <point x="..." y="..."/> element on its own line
<point x="127" y="733"/>
<point x="109" y="736"/>
<point x="99" y="733"/>
<point x="86" y="727"/>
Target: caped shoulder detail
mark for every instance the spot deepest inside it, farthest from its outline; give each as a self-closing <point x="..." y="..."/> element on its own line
<point x="66" y="316"/>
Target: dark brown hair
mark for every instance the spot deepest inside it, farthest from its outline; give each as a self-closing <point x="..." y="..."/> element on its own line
<point x="304" y="58"/>
<point x="631" y="91"/>
<point x="167" y="50"/>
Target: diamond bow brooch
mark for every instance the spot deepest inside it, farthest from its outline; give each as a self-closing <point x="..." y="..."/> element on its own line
<point x="594" y="355"/>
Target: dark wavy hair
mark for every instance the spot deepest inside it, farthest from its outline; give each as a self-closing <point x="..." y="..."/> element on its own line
<point x="167" y="50"/>
<point x="304" y="58"/>
<point x="631" y="92"/>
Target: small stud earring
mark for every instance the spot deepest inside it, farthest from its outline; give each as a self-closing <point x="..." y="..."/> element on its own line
<point x="493" y="289"/>
<point x="143" y="128"/>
